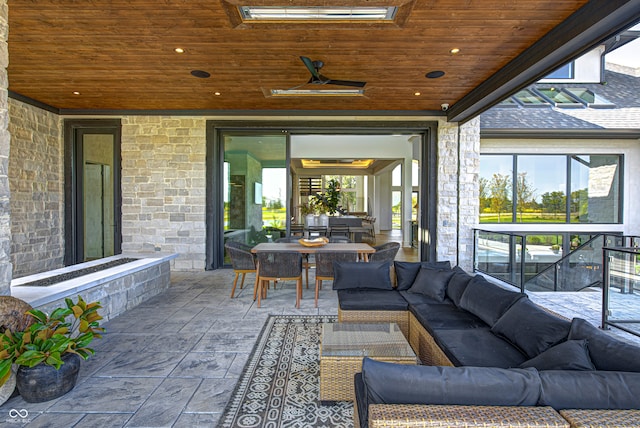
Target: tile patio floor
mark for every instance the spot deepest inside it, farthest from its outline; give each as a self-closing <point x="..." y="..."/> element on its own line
<point x="174" y="361"/>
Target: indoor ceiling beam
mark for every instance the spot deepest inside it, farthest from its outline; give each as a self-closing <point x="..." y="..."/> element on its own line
<point x="588" y="27"/>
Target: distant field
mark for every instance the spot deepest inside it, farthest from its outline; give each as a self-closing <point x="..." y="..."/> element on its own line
<point x="526" y="218"/>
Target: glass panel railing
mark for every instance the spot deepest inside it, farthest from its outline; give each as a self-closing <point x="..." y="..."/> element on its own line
<point x="581" y="269"/>
<point x="621" y="296"/>
<point x="500" y="255"/>
<point x="545" y="261"/>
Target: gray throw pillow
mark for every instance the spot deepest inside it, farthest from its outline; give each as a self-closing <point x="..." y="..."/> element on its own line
<point x="457" y="284"/>
<point x="406" y="272"/>
<point x="362" y="275"/>
<point x="569" y="355"/>
<point x="607" y="352"/>
<point x="432" y="283"/>
<point x="531" y="328"/>
<point x="487" y="301"/>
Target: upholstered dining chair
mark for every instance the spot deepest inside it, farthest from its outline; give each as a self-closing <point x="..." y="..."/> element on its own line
<point x="324" y="266"/>
<point x="242" y="262"/>
<point x="279" y="266"/>
<point x="385" y="252"/>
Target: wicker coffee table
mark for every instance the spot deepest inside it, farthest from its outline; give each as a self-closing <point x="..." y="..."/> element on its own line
<point x="342" y="347"/>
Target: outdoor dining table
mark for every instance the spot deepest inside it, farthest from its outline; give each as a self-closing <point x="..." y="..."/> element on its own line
<point x="363" y="251"/>
<point x="361" y="248"/>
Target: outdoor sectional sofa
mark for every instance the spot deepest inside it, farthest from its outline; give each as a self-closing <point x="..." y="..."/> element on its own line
<point x="489" y="354"/>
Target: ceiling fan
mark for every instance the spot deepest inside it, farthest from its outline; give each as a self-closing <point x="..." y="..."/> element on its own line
<point x="318" y="79"/>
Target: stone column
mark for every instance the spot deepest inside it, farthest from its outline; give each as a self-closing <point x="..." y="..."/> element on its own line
<point x="5" y="138"/>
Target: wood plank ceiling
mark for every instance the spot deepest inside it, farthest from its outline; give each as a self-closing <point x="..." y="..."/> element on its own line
<point x="119" y="54"/>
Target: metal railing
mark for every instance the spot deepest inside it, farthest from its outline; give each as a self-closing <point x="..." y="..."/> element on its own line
<point x="522" y="261"/>
<point x="621" y="288"/>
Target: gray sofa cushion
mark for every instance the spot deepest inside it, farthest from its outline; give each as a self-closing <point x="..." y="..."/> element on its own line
<point x="569" y="355"/>
<point x="362" y="299"/>
<point x="564" y="389"/>
<point x="421" y="299"/>
<point x="435" y="316"/>
<point x="362" y="275"/>
<point x="432" y="283"/>
<point x="607" y="352"/>
<point x="531" y="328"/>
<point x="457" y="284"/>
<point x="477" y="347"/>
<point x="406" y="272"/>
<point x="486" y="300"/>
<point x="408" y="384"/>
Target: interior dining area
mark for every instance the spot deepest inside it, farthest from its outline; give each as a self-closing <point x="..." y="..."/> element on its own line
<point x="275" y="186"/>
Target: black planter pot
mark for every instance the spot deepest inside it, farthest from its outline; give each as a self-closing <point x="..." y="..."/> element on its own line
<point x="44" y="383"/>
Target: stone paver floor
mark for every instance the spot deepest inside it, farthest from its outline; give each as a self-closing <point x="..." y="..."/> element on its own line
<point x="174" y="360"/>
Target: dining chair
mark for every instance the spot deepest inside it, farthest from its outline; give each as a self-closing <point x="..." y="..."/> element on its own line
<point x="242" y="262"/>
<point x="368" y="223"/>
<point x="324" y="266"/>
<point x="385" y="252"/>
<point x="315" y="231"/>
<point x="339" y="230"/>
<point x="339" y="240"/>
<point x="279" y="266"/>
<point x="296" y="230"/>
<point x="306" y="263"/>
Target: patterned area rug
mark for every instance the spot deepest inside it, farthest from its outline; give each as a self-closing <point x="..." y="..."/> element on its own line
<point x="280" y="384"/>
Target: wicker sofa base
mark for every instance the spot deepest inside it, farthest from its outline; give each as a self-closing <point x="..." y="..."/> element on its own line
<point x="425" y="346"/>
<point x="414" y="416"/>
<point x="579" y="418"/>
<point x="399" y="317"/>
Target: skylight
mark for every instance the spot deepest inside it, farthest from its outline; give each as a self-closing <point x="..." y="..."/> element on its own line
<point x="529" y="99"/>
<point x="590" y="98"/>
<point x="558" y="98"/>
<point x="319" y="13"/>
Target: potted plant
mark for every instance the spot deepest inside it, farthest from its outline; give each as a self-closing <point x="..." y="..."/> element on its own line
<point x="47" y="352"/>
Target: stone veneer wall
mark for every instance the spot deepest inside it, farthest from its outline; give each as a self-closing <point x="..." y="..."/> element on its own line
<point x="458" y="203"/>
<point x="5" y="143"/>
<point x="36" y="178"/>
<point x="163" y="187"/>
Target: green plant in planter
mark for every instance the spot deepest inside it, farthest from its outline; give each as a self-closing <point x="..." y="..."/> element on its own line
<point x="68" y="330"/>
<point x="328" y="201"/>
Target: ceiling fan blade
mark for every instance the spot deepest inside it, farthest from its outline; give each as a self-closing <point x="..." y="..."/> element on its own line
<point x="346" y="83"/>
<point x="312" y="69"/>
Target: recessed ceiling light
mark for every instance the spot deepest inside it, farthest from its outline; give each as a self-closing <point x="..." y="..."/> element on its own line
<point x="455" y="50"/>
<point x="216" y="93"/>
<point x="417" y="94"/>
<point x="434" y="74"/>
<point x="317" y="13"/>
<point x="179" y="50"/>
<point x="200" y="73"/>
<point x="76" y="93"/>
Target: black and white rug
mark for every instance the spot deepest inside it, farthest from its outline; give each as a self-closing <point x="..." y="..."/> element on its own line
<point x="280" y="384"/>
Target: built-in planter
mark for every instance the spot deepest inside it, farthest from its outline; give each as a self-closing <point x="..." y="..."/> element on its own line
<point x="118" y="289"/>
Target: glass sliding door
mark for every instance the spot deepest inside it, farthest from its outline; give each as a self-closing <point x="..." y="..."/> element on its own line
<point x="254" y="187"/>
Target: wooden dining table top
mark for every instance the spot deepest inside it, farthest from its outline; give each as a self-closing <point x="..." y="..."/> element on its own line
<point x="357" y="247"/>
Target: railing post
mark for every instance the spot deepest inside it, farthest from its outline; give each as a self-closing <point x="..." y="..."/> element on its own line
<point x="605" y="288"/>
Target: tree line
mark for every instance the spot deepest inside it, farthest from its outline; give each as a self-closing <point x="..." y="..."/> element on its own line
<point x="496" y="196"/>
